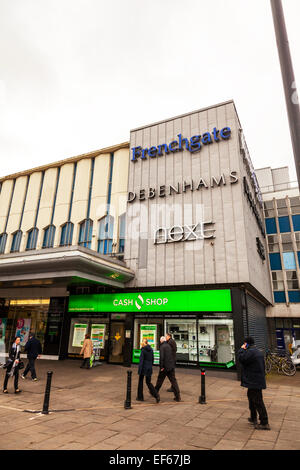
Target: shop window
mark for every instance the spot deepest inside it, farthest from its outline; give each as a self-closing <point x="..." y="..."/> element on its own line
<point x="279" y="297"/>
<point x="294" y="296"/>
<point x="295" y="205"/>
<point x="287" y="244"/>
<point x="284" y="224"/>
<point x="184" y="332"/>
<point x="277" y="280"/>
<point x="298" y="252"/>
<point x="292" y="280"/>
<point x="25" y="316"/>
<point x="49" y="233"/>
<point x="296" y="222"/>
<point x="216" y="343"/>
<point x="3" y="238"/>
<point x="85" y="233"/>
<point x="289" y="261"/>
<point x="275" y="261"/>
<point x="269" y="209"/>
<point x="271" y="226"/>
<point x="282" y="207"/>
<point x="16" y="241"/>
<point x="105" y="235"/>
<point x="32" y="239"/>
<point x="273" y="244"/>
<point x="96" y="327"/>
<point x="149" y="328"/>
<point x="66" y="235"/>
<point x="122" y="233"/>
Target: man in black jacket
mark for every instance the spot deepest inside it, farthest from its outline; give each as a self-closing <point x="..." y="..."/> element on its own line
<point x="34" y="349"/>
<point x="167" y="368"/>
<point x="173" y="345"/>
<point x="253" y="378"/>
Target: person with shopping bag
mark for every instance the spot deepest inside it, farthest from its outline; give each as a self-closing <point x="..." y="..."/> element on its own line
<point x="13" y="365"/>
<point x="87" y="351"/>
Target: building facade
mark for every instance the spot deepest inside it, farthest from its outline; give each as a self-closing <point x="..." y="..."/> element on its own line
<point x="282" y="221"/>
<point x="164" y="233"/>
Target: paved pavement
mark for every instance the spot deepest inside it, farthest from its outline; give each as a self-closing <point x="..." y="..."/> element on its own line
<point x="97" y="419"/>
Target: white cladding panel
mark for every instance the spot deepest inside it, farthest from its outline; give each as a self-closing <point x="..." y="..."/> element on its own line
<point x="223" y="259"/>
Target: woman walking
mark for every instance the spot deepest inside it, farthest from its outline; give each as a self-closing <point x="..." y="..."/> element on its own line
<point x="145" y="369"/>
<point x="12" y="365"/>
<point x="87" y="351"/>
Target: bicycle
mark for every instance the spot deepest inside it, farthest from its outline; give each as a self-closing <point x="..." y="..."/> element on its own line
<point x="280" y="361"/>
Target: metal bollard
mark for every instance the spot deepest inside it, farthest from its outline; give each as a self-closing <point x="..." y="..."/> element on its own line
<point x="47" y="393"/>
<point x="202" y="400"/>
<point x="127" y="403"/>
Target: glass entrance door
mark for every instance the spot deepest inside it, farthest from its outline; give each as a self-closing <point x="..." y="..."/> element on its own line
<point x="117" y="341"/>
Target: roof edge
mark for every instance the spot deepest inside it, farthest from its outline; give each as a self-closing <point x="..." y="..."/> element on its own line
<point x="58" y="163"/>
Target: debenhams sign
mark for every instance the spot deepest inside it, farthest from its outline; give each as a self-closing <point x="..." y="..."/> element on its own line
<point x="179" y="188"/>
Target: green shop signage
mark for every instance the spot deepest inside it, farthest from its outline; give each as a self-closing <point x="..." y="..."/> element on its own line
<point x="178" y="301"/>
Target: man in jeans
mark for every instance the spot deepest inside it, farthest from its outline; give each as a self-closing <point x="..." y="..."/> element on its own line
<point x="34" y="349"/>
<point x="253" y="378"/>
<point x="167" y="368"/>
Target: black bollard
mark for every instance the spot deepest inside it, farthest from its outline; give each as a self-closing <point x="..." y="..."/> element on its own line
<point x="127" y="403"/>
<point x="202" y="400"/>
<point x="47" y="393"/>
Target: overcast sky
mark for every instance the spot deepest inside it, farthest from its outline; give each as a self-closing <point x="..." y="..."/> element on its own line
<point x="77" y="75"/>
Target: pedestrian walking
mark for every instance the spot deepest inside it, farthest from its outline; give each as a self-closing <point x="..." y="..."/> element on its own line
<point x="87" y="351"/>
<point x="12" y="365"/>
<point x="145" y="370"/>
<point x="167" y="368"/>
<point x="173" y="345"/>
<point x="253" y="378"/>
<point x="34" y="350"/>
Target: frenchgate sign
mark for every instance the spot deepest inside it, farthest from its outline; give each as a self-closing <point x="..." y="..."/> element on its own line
<point x="193" y="144"/>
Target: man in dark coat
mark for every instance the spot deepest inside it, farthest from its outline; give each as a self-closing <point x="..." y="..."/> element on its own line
<point x="34" y="349"/>
<point x="145" y="370"/>
<point x="167" y="368"/>
<point x="253" y="377"/>
<point x="173" y="345"/>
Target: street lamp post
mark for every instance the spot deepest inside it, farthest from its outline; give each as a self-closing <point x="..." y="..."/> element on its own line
<point x="289" y="84"/>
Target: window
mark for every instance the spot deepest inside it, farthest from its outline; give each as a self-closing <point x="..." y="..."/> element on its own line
<point x="275" y="261"/>
<point x="296" y="222"/>
<point x="282" y="207"/>
<point x="66" y="235"/>
<point x="269" y="209"/>
<point x="294" y="297"/>
<point x="16" y="241"/>
<point x="49" y="234"/>
<point x="277" y="280"/>
<point x="3" y="238"/>
<point x="85" y="233"/>
<point x="273" y="243"/>
<point x="289" y="260"/>
<point x="32" y="239"/>
<point x="292" y="280"/>
<point x="284" y="224"/>
<point x="287" y="244"/>
<point x="122" y="233"/>
<point x="271" y="226"/>
<point x="295" y="205"/>
<point x="105" y="235"/>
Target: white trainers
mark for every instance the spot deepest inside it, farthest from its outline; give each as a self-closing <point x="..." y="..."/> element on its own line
<point x="33" y="380"/>
<point x="23" y="376"/>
